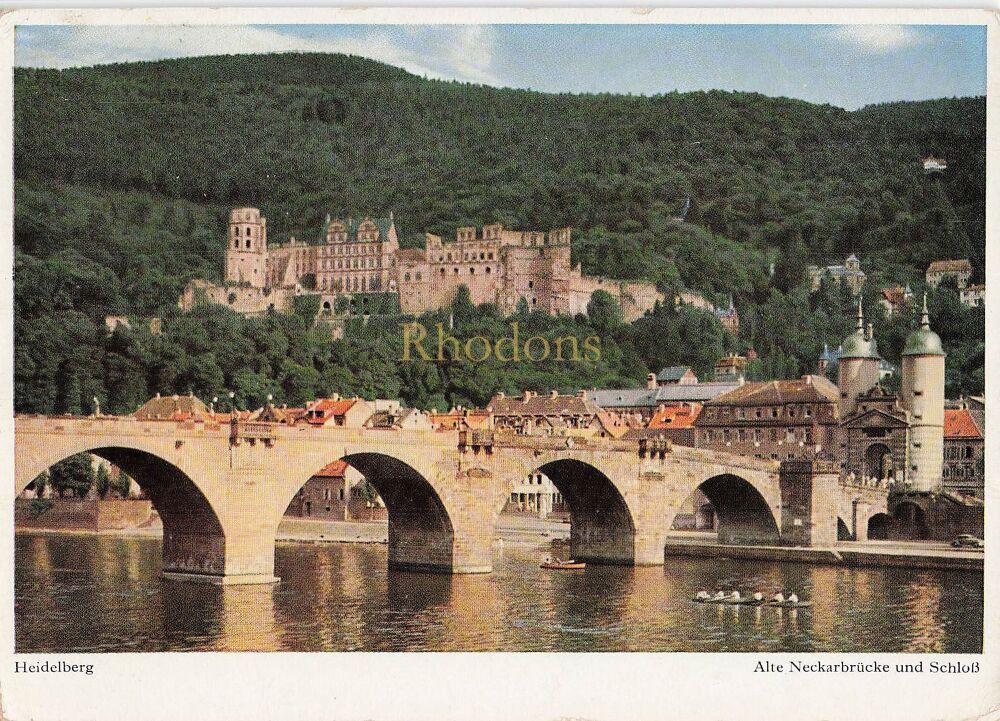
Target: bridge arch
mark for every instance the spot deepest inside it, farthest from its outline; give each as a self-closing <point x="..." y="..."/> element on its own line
<point x="421" y="532"/>
<point x="878" y="527"/>
<point x="602" y="524"/>
<point x="194" y="541"/>
<point x="744" y="515"/>
<point x="602" y="528"/>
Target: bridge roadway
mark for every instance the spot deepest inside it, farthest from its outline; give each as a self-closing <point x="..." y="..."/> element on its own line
<point x="222" y="489"/>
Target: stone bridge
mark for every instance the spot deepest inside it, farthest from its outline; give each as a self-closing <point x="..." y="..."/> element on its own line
<point x="221" y="490"/>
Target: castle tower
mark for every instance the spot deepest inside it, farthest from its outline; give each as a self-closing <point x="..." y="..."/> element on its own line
<point x="858" y="366"/>
<point x="246" y="254"/>
<point x="922" y="394"/>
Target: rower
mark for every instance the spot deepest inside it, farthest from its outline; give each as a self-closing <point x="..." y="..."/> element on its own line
<point x="735" y="596"/>
<point x="758" y="596"/>
<point x="702" y="596"/>
<point x="778" y="598"/>
<point x="792" y="598"/>
<point x="720" y="595"/>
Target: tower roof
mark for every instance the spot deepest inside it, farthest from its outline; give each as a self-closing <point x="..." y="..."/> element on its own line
<point x="858" y="344"/>
<point x="923" y="341"/>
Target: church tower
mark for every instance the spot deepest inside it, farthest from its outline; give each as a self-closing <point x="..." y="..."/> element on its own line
<point x="246" y="254"/>
<point x="858" y="366"/>
<point x="922" y="392"/>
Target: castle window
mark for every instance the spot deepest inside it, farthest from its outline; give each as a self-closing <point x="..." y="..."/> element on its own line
<point x="456" y="271"/>
<point x="418" y="277"/>
<point x="472" y="271"/>
<point x="406" y="276"/>
<point x="487" y="270"/>
<point x="248" y="243"/>
<point x="531" y="284"/>
<point x="248" y="232"/>
<point x="442" y="271"/>
<point x="489" y="256"/>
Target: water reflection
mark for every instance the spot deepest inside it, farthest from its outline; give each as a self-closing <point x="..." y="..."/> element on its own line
<point x="105" y="594"/>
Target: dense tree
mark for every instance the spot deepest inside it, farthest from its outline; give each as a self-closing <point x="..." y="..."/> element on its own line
<point x="74" y="475"/>
<point x="115" y="218"/>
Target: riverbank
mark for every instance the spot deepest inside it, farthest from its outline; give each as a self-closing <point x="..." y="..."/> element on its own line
<point x="531" y="531"/>
<point x="515" y="529"/>
<point x="900" y="554"/>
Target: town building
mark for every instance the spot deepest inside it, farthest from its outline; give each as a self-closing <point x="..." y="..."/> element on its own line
<point x="958" y="270"/>
<point x="675" y="422"/>
<point x="778" y="420"/>
<point x="964" y="451"/>
<point x="358" y="268"/>
<point x="895" y="299"/>
<point x="172" y="408"/>
<point x="644" y="402"/>
<point x="536" y="495"/>
<point x="731" y="368"/>
<point x="676" y="375"/>
<point x="935" y="165"/>
<point x="973" y="296"/>
<point x="849" y="273"/>
<point x="337" y="411"/>
<point x="337" y="493"/>
<point x="729" y="318"/>
<point x="552" y="414"/>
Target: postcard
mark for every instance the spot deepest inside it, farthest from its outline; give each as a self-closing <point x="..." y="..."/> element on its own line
<point x="498" y="364"/>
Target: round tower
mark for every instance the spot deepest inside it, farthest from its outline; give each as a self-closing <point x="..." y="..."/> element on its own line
<point x="858" y="365"/>
<point x="246" y="254"/>
<point x="922" y="394"/>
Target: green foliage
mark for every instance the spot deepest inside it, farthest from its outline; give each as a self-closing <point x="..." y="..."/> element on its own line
<point x="114" y="217"/>
<point x="306" y="307"/>
<point x="38" y="506"/>
<point x="603" y="311"/>
<point x="39" y="484"/>
<point x="121" y="484"/>
<point x="102" y="481"/>
<point x="74" y="475"/>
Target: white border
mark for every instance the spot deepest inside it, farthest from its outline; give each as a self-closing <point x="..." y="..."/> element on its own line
<point x="638" y="686"/>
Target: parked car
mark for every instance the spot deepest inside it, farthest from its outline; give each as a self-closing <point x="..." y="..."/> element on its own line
<point x="967" y="540"/>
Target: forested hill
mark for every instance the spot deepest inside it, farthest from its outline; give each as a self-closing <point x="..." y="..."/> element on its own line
<point x="124" y="174"/>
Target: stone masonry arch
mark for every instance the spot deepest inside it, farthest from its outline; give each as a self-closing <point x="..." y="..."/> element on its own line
<point x="421" y="534"/>
<point x="194" y="539"/>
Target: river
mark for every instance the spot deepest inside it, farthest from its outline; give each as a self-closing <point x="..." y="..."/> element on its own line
<point x="104" y="594"/>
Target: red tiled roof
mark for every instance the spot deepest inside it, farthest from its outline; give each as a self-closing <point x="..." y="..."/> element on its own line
<point x="682" y="416"/>
<point x="895" y="295"/>
<point x="334" y="470"/>
<point x="958" y="423"/>
<point x="319" y="412"/>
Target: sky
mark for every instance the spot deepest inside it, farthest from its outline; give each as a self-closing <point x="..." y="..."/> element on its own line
<point x="845" y="65"/>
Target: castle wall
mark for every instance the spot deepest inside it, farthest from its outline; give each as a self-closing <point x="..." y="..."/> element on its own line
<point x="634" y="298"/>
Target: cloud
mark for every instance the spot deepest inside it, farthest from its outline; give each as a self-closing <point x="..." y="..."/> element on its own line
<point x="453" y="52"/>
<point x="879" y="39"/>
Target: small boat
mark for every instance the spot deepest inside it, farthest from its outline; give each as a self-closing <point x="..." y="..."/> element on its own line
<point x="751" y="601"/>
<point x="560" y="565"/>
<point x="789" y="604"/>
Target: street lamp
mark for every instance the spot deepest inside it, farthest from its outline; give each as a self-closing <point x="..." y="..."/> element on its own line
<point x="232" y="402"/>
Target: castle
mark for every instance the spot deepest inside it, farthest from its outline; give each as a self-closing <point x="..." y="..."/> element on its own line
<point x="359" y="259"/>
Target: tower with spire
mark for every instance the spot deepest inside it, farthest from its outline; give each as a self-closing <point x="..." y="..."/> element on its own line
<point x="922" y="394"/>
<point x="858" y="365"/>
